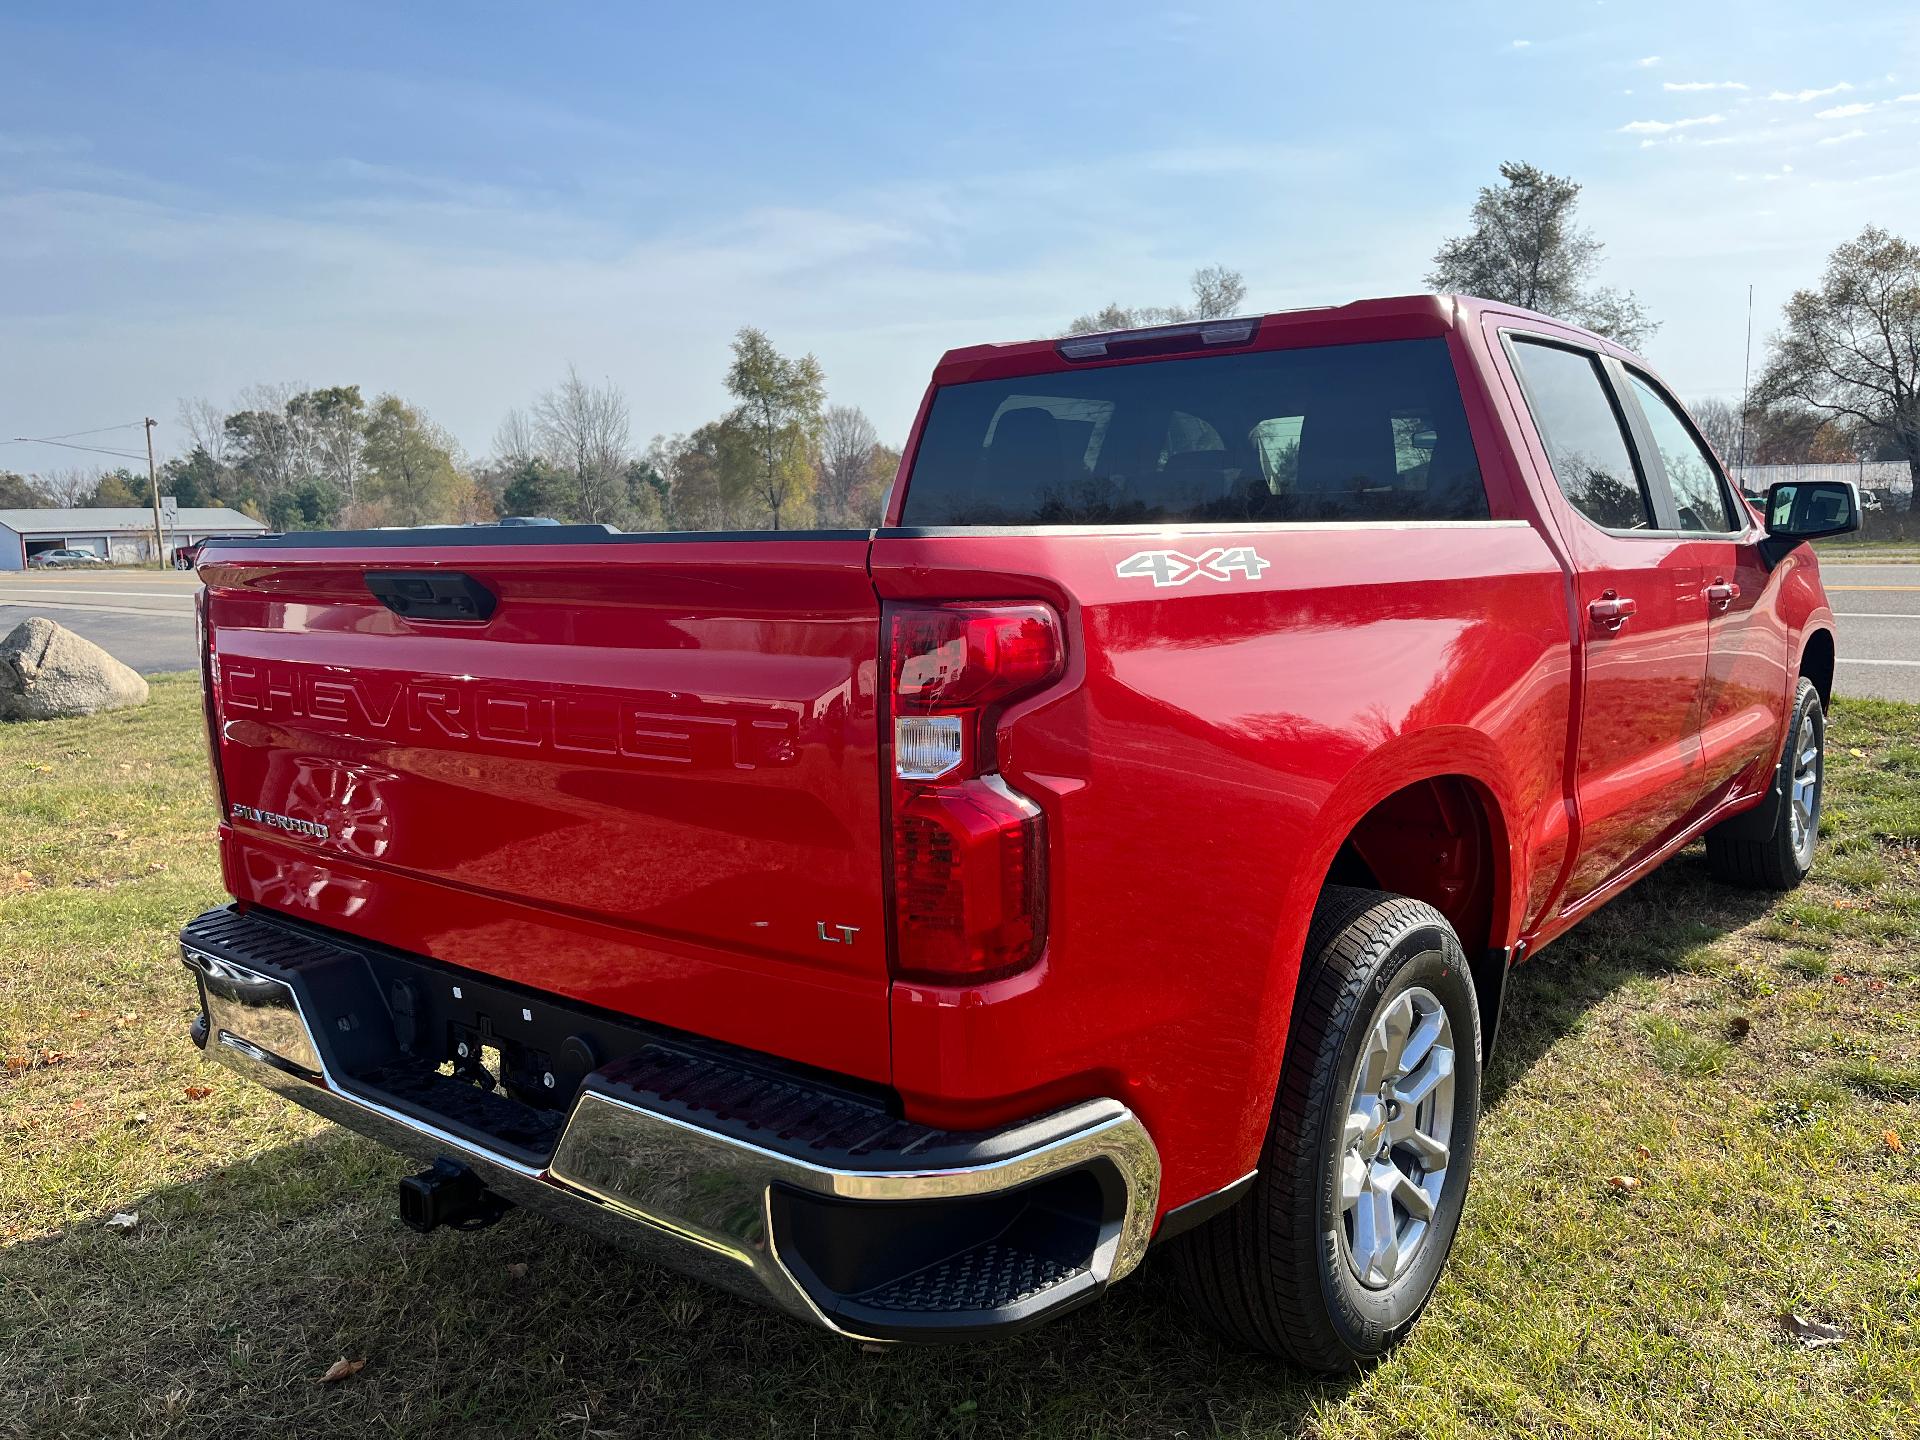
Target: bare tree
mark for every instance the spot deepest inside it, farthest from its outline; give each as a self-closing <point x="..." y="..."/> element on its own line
<point x="206" y="426"/>
<point x="1719" y="422"/>
<point x="69" y="487"/>
<point x="515" y="444"/>
<point x="585" y="432"/>
<point x="847" y="440"/>
<point x="1851" y="349"/>
<point x="1217" y="291"/>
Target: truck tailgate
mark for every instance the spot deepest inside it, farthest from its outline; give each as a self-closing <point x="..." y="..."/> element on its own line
<point x="648" y="780"/>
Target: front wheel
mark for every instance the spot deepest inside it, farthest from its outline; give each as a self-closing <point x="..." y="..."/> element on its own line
<point x="1332" y="1255"/>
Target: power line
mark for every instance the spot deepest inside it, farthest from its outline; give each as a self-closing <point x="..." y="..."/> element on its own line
<point x="76" y="434"/>
<point x="90" y="449"/>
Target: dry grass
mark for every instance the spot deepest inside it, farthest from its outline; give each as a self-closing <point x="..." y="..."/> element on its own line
<point x="1753" y="1064"/>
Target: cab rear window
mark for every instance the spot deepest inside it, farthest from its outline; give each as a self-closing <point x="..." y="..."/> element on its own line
<point x="1338" y="432"/>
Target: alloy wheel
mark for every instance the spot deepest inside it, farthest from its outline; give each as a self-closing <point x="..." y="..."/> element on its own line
<point x="1393" y="1158"/>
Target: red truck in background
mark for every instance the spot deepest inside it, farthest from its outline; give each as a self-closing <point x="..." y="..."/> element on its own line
<point x="1127" y="843"/>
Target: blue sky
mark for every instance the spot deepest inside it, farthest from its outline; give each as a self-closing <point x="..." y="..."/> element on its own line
<point x="455" y="203"/>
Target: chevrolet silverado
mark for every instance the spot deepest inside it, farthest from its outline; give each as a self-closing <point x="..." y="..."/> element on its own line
<point x="1126" y="844"/>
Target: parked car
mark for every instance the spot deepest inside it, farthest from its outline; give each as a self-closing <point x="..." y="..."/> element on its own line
<point x="63" y="559"/>
<point x="187" y="557"/>
<point x="1126" y="844"/>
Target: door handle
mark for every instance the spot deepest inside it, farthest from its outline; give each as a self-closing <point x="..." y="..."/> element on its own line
<point x="1722" y="593"/>
<point x="1610" y="611"/>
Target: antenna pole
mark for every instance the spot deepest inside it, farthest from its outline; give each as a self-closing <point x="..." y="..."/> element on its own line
<point x="1746" y="380"/>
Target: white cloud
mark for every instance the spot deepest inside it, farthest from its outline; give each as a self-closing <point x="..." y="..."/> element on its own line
<point x="1519" y="44"/>
<point x="1687" y="85"/>
<point x="1842" y="112"/>
<point x="1661" y="127"/>
<point x="1647" y="61"/>
<point x="1842" y="139"/>
<point x="1906" y="99"/>
<point x="1800" y="97"/>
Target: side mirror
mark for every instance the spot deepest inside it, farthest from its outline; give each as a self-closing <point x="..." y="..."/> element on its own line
<point x="1809" y="509"/>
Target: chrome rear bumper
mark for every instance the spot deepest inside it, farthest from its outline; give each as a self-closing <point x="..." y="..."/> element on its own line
<point x="759" y="1210"/>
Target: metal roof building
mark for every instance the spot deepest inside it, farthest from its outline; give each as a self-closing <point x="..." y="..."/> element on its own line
<point x="123" y="534"/>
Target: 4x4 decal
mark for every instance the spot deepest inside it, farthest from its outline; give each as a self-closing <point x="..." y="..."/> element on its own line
<point x="1171" y="567"/>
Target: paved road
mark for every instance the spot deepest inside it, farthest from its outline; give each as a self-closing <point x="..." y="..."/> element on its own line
<point x="141" y="617"/>
<point x="1877" y="612"/>
<point x="146" y="619"/>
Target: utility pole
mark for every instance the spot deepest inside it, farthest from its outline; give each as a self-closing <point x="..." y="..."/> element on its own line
<point x="153" y="479"/>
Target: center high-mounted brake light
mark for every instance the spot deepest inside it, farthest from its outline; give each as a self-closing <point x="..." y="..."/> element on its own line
<point x="969" y="852"/>
<point x="1158" y="340"/>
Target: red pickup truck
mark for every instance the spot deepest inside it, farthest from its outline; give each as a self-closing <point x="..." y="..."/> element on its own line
<point x="1126" y="843"/>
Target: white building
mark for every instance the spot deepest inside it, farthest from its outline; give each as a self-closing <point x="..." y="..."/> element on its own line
<point x="123" y="535"/>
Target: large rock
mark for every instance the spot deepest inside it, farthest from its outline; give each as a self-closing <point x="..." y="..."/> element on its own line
<point x="47" y="671"/>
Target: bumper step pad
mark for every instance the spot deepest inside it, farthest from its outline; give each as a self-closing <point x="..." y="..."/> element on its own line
<point x="768" y="1178"/>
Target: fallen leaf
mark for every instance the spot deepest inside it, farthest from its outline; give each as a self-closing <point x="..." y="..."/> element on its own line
<point x="124" y="1220"/>
<point x="1643" y="1152"/>
<point x="139" y="1118"/>
<point x="1857" y="753"/>
<point x="1624" y="1182"/>
<point x="872" y="1349"/>
<point x="81" y="1015"/>
<point x="17" y="1063"/>
<point x="199" y="1092"/>
<point x="518" y="1270"/>
<point x="341" y="1369"/>
<point x="1814" y="1334"/>
<point x="1892" y="1137"/>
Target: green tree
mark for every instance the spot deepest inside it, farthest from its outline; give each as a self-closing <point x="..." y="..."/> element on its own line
<point x="646" y="495"/>
<point x="779" y="414"/>
<point x="536" y="488"/>
<point x="1851" y="349"/>
<point x="1525" y="249"/>
<point x="193" y="479"/>
<point x="120" y="488"/>
<point x="17" y="492"/>
<point x="310" y="504"/>
<point x="410" y="466"/>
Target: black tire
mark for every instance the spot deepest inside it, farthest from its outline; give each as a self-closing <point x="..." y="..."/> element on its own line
<point x="1769" y="847"/>
<point x="1273" y="1273"/>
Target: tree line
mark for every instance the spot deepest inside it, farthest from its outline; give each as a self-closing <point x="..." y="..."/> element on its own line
<point x="1840" y="382"/>
<point x="305" y="459"/>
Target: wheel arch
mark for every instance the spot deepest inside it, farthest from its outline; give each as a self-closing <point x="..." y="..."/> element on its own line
<point x="1434" y="818"/>
<point x="1816" y="662"/>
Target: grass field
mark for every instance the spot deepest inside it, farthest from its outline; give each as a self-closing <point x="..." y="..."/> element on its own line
<point x="1753" y="1064"/>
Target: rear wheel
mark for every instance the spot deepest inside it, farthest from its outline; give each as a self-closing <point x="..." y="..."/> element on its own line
<point x="1336" y="1249"/>
<point x="1771" y="847"/>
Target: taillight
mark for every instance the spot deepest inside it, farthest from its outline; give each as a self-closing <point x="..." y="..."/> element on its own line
<point x="209" y="700"/>
<point x="969" y="852"/>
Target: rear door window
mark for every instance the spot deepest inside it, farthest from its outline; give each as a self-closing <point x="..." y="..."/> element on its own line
<point x="1692" y="475"/>
<point x="1585" y="439"/>
<point x="1349" y="432"/>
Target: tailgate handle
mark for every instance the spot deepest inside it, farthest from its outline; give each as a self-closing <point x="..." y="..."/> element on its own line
<point x="431" y="594"/>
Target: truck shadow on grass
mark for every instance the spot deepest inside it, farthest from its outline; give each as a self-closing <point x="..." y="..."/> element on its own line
<point x="237" y="1291"/>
